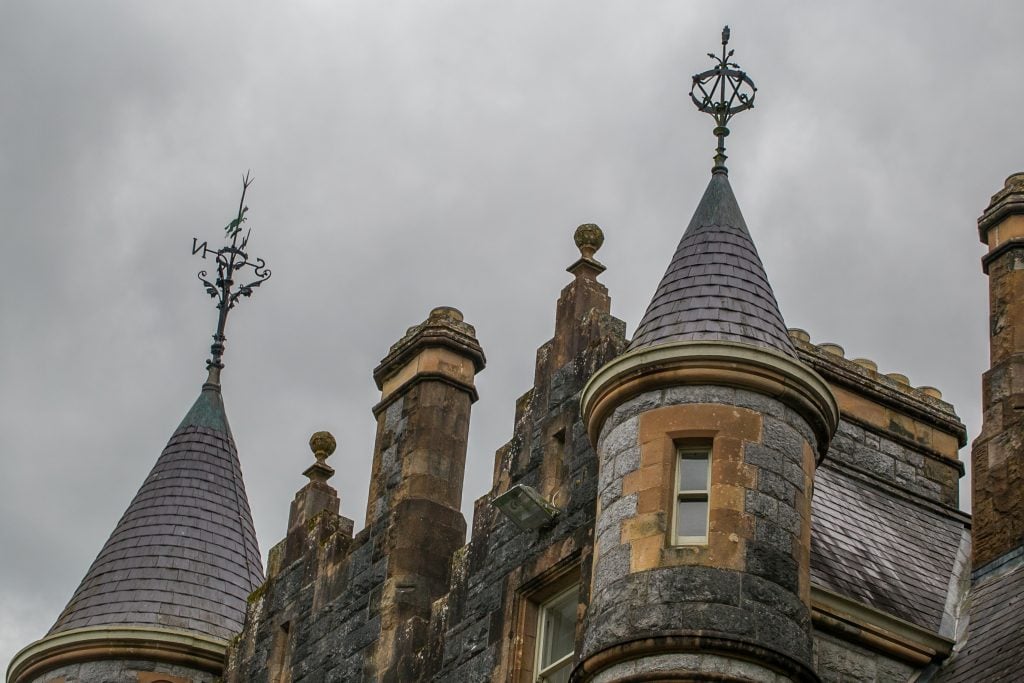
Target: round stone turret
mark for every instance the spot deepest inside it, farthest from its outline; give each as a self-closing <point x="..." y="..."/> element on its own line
<point x="707" y="432"/>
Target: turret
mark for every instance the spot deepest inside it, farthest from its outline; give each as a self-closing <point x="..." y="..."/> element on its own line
<point x="168" y="589"/>
<point x="997" y="455"/>
<point x="707" y="432"/>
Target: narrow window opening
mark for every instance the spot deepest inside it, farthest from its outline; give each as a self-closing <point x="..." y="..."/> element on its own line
<point x="692" y="484"/>
<point x="556" y="637"/>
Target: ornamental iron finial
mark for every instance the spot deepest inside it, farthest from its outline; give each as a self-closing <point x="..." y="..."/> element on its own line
<point x="231" y="259"/>
<point x="722" y="92"/>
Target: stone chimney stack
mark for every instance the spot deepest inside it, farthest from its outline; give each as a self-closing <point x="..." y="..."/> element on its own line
<point x="998" y="452"/>
<point x="419" y="458"/>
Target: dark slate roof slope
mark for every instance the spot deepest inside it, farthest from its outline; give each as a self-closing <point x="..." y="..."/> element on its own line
<point x="184" y="555"/>
<point x="715" y="288"/>
<point x="882" y="550"/>
<point x="994" y="650"/>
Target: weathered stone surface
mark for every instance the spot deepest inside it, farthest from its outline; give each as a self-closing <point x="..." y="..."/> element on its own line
<point x="387" y="604"/>
<point x="124" y="671"/>
<point x="837" y="661"/>
<point x="876" y="453"/>
<point x="753" y="598"/>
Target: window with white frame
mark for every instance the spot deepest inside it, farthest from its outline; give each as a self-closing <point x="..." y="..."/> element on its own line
<point x="693" y="476"/>
<point x="556" y="637"/>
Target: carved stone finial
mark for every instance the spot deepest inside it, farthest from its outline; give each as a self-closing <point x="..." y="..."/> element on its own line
<point x="588" y="238"/>
<point x="322" y="444"/>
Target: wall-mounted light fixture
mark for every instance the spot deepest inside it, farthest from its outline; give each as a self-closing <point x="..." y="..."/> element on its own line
<point x="525" y="507"/>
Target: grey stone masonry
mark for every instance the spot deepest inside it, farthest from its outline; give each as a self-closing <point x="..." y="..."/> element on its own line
<point x="317" y="618"/>
<point x="121" y="671"/>
<point x="476" y="626"/>
<point x="897" y="463"/>
<point x="838" y="661"/>
<point x="335" y="614"/>
<point x="753" y="603"/>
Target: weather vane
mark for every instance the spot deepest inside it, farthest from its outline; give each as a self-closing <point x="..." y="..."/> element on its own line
<point x="723" y="92"/>
<point x="231" y="260"/>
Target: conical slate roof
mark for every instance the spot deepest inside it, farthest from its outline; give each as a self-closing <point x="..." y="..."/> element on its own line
<point x="184" y="555"/>
<point x="715" y="287"/>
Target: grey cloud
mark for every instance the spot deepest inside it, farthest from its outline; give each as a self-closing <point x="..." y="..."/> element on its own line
<point x="409" y="155"/>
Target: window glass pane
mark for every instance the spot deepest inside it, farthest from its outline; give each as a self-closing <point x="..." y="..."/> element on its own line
<point x="559" y="676"/>
<point x="692" y="518"/>
<point x="559" y="629"/>
<point x="693" y="472"/>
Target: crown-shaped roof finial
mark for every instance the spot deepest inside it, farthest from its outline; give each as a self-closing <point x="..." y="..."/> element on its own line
<point x="722" y="91"/>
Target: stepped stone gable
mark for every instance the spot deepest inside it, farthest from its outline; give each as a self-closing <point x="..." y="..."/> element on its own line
<point x="323" y="611"/>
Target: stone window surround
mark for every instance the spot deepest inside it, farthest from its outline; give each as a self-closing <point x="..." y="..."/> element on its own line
<point x="661" y="433"/>
<point x="541" y="635"/>
<point x="689" y="450"/>
<point x="529" y="599"/>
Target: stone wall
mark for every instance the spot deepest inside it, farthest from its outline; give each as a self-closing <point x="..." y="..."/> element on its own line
<point x="749" y="586"/>
<point x="391" y="604"/>
<point x="917" y="471"/>
<point x="997" y="462"/>
<point x="838" y="661"/>
<point x="504" y="571"/>
<point x="319" y="615"/>
<point x="125" y="671"/>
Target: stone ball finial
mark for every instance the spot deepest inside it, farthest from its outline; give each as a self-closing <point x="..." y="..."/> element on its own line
<point x="1015" y="181"/>
<point x="447" y="312"/>
<point x="588" y="238"/>
<point x="322" y="444"/>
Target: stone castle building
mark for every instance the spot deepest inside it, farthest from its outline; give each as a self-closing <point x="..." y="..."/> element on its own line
<point x="715" y="499"/>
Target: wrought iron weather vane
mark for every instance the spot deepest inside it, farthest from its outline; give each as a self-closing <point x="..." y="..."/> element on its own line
<point x="723" y="92"/>
<point x="232" y="260"/>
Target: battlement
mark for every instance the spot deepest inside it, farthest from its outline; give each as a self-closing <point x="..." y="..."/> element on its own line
<point x="830" y="360"/>
<point x="902" y="434"/>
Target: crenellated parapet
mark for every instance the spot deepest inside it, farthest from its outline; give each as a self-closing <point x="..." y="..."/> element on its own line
<point x="905" y="435"/>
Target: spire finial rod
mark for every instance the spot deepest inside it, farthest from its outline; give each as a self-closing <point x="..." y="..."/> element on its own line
<point x="722" y="91"/>
<point x="231" y="259"/>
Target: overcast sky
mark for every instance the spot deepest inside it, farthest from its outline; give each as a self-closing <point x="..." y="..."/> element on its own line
<point x="415" y="154"/>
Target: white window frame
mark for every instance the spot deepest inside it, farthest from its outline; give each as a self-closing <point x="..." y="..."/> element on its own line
<point x="691" y="453"/>
<point x="540" y="675"/>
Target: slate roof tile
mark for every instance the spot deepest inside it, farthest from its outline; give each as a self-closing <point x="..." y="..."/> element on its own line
<point x="184" y="554"/>
<point x="994" y="648"/>
<point x="715" y="287"/>
<point x="881" y="550"/>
